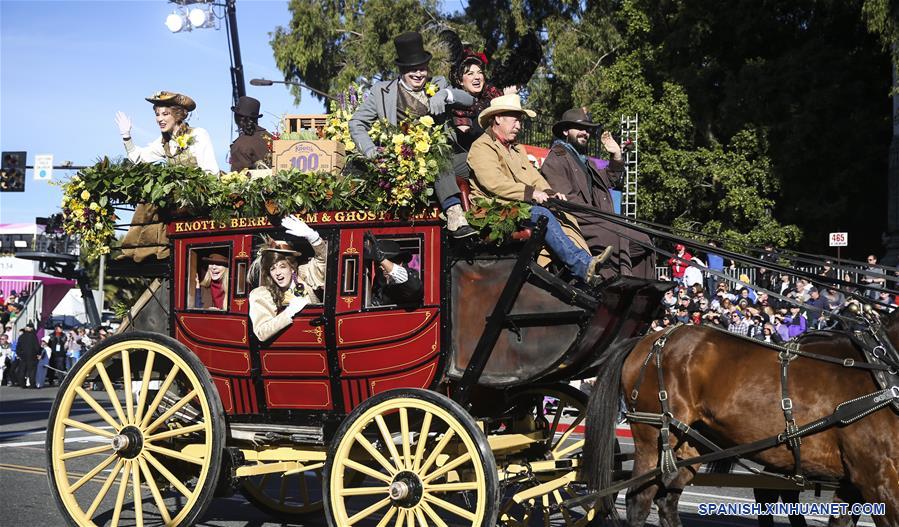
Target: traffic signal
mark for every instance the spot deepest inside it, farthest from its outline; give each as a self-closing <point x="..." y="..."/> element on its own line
<point x="12" y="172"/>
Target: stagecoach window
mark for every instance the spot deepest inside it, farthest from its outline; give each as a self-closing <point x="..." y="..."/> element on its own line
<point x="379" y="291"/>
<point x="241" y="274"/>
<point x="208" y="277"/>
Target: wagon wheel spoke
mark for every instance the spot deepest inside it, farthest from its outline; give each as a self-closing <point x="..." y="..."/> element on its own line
<point x="388" y="440"/>
<point x="449" y="507"/>
<point x="85" y="452"/>
<point x="387" y="517"/>
<point x="135" y="490"/>
<point x="400" y="518"/>
<point x="129" y="397"/>
<point x="359" y="467"/>
<point x="373" y="452"/>
<point x="97" y="408"/>
<point x="365" y="491"/>
<point x="105" y="488"/>
<point x="370" y="510"/>
<point x="174" y="454"/>
<point x="438" y="450"/>
<point x="144" y="386"/>
<point x="464" y="458"/>
<point x="110" y="392"/>
<point x="91" y="474"/>
<point x="171" y="411"/>
<point x="422" y="440"/>
<point x="87" y="428"/>
<point x="432" y="514"/>
<point x="154" y="490"/>
<point x="175" y="432"/>
<point x="169" y="379"/>
<point x="404" y="434"/>
<point x="452" y="487"/>
<point x="120" y="498"/>
<point x="168" y="475"/>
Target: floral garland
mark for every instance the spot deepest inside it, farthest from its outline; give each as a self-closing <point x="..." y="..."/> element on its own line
<point x="89" y="196"/>
<point x="87" y="216"/>
<point x="410" y="156"/>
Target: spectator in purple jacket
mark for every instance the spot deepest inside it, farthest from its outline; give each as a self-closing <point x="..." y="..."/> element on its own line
<point x="796" y="323"/>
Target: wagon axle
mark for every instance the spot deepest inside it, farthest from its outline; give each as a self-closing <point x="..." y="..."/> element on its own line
<point x="406" y="489"/>
<point x="128" y="443"/>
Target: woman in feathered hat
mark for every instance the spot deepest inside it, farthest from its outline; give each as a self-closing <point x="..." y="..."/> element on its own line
<point x="285" y="286"/>
<point x="178" y="144"/>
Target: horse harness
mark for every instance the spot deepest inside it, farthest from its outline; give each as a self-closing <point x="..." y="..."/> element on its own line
<point x="882" y="361"/>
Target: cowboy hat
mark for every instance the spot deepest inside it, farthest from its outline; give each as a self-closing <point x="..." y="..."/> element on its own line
<point x="166" y="98"/>
<point x="573" y="118"/>
<point x="215" y="259"/>
<point x="247" y="107"/>
<point x="410" y="50"/>
<point x="503" y="104"/>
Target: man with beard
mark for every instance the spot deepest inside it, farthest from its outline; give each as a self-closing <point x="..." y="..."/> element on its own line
<point x="569" y="172"/>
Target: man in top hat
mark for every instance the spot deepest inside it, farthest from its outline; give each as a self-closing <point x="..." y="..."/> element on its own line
<point x="571" y="173"/>
<point x="397" y="283"/>
<point x="252" y="146"/>
<point x="405" y="98"/>
<point x="502" y="170"/>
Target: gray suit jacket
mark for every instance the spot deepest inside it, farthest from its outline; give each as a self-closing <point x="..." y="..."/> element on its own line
<point x="381" y="104"/>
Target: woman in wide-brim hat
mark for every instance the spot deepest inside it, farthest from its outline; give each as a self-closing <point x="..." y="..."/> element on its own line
<point x="285" y="285"/>
<point x="213" y="288"/>
<point x="178" y="144"/>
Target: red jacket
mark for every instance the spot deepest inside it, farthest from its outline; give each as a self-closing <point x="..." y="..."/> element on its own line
<point x="679" y="264"/>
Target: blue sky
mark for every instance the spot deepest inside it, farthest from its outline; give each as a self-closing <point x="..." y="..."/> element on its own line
<point x="67" y="66"/>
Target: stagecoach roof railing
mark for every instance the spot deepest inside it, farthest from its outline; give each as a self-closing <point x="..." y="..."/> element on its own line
<point x="564" y="205"/>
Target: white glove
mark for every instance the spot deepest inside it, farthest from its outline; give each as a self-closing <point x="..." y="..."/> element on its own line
<point x="437" y="103"/>
<point x="124" y="124"/>
<point x="296" y="305"/>
<point x="297" y="227"/>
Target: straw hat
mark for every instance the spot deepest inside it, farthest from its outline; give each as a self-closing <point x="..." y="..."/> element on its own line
<point x="503" y="104"/>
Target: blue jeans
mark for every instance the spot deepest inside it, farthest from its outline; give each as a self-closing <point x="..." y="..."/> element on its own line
<point x="576" y="259"/>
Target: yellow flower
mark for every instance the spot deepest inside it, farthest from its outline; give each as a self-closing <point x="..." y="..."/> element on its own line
<point x="349" y="145"/>
<point x="85" y="195"/>
<point x="94" y="206"/>
<point x="427" y="120"/>
<point x="431" y="89"/>
<point x="422" y="146"/>
<point x="184" y="140"/>
<point x="398" y="139"/>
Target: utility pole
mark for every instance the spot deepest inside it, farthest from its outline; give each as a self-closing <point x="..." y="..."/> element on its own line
<point x="237" y="82"/>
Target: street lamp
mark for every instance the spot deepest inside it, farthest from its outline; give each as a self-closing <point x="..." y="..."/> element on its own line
<point x="267" y="82"/>
<point x="196" y="14"/>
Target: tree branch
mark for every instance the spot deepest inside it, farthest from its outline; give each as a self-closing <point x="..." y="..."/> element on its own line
<point x="600" y="59"/>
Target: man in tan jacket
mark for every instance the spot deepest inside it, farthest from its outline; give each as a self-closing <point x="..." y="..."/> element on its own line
<point x="502" y="170"/>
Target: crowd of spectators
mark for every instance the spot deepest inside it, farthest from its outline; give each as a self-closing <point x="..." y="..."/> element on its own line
<point x="11" y="305"/>
<point x="29" y="362"/>
<point x="703" y="299"/>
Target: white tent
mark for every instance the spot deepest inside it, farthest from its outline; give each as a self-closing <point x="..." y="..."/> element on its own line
<point x="72" y="304"/>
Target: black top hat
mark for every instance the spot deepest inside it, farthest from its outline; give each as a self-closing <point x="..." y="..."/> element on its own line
<point x="410" y="50"/>
<point x="29" y="325"/>
<point x="247" y="107"/>
<point x="573" y="118"/>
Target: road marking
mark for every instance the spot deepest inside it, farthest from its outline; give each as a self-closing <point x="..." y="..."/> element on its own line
<point x="84" y="439"/>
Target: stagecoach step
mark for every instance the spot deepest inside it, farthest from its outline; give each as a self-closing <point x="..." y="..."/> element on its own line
<point x="264" y="434"/>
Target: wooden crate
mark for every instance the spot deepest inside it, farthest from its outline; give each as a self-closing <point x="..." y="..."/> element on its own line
<point x="295" y="123"/>
<point x="308" y="156"/>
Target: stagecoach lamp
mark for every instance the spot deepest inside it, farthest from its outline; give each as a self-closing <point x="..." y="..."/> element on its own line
<point x="197" y="17"/>
<point x="174" y="22"/>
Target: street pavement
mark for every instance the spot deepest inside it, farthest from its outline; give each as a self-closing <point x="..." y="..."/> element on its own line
<point x="28" y="501"/>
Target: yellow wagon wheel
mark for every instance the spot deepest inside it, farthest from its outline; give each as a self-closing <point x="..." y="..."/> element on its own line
<point x="558" y="409"/>
<point x="410" y="457"/>
<point x="136" y="435"/>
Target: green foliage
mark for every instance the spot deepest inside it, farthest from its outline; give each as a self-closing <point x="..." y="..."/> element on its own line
<point x="756" y="119"/>
<point x="497" y="219"/>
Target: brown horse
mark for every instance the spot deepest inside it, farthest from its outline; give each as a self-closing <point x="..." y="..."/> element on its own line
<point x="729" y="389"/>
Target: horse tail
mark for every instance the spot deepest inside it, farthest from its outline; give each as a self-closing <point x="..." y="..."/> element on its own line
<point x="602" y="417"/>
